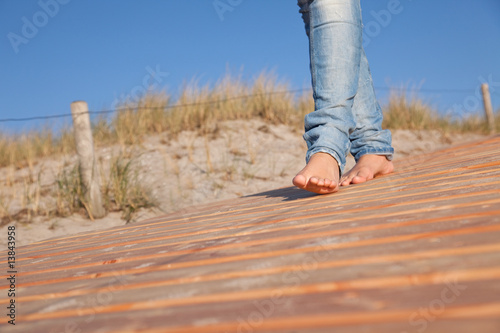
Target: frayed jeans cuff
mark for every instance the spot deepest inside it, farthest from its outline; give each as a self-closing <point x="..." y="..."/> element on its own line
<point x="387" y="152"/>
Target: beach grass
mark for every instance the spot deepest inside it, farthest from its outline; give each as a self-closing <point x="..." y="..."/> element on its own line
<point x="198" y="108"/>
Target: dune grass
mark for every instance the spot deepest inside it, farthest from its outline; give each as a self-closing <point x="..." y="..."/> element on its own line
<point x="410" y="112"/>
<point x="199" y="108"/>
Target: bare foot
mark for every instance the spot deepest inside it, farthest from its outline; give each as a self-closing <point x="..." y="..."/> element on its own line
<point x="320" y="175"/>
<point x="368" y="167"/>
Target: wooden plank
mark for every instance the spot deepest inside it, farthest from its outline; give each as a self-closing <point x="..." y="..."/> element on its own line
<point x="415" y="250"/>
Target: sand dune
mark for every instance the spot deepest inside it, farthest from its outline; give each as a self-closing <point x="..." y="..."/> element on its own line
<point x="239" y="158"/>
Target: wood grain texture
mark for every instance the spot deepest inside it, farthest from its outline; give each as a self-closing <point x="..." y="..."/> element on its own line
<point x="414" y="251"/>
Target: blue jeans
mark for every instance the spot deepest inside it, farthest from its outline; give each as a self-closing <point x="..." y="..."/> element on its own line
<point x="347" y="115"/>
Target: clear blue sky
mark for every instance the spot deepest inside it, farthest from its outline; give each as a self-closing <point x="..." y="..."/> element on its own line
<point x="56" y="51"/>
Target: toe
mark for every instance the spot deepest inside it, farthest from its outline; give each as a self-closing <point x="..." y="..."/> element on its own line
<point x="299" y="181"/>
<point x="314" y="181"/>
<point x="358" y="180"/>
<point x="346" y="181"/>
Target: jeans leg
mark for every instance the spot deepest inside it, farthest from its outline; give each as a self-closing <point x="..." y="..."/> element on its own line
<point x="335" y="45"/>
<point x="368" y="136"/>
<point x="304" y="10"/>
<point x="347" y="114"/>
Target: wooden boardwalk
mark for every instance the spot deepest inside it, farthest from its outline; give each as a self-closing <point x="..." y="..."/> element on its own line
<point x="414" y="251"/>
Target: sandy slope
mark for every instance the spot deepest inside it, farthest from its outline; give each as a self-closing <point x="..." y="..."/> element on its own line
<point x="239" y="158"/>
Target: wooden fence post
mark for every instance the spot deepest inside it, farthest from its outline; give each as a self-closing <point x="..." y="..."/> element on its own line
<point x="488" y="108"/>
<point x="88" y="166"/>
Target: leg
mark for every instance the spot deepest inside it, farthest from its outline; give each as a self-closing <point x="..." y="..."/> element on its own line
<point x="370" y="145"/>
<point x="335" y="37"/>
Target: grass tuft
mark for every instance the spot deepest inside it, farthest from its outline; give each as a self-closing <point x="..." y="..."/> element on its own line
<point x="198" y="108"/>
<point x="123" y="191"/>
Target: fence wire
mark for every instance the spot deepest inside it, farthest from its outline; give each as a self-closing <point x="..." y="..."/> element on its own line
<point x="208" y="102"/>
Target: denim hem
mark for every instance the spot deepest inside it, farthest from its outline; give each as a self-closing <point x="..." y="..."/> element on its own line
<point x="388" y="152"/>
<point x="330" y="152"/>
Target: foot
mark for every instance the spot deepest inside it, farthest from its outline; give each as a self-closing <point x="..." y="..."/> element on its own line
<point x="368" y="167"/>
<point x="320" y="175"/>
